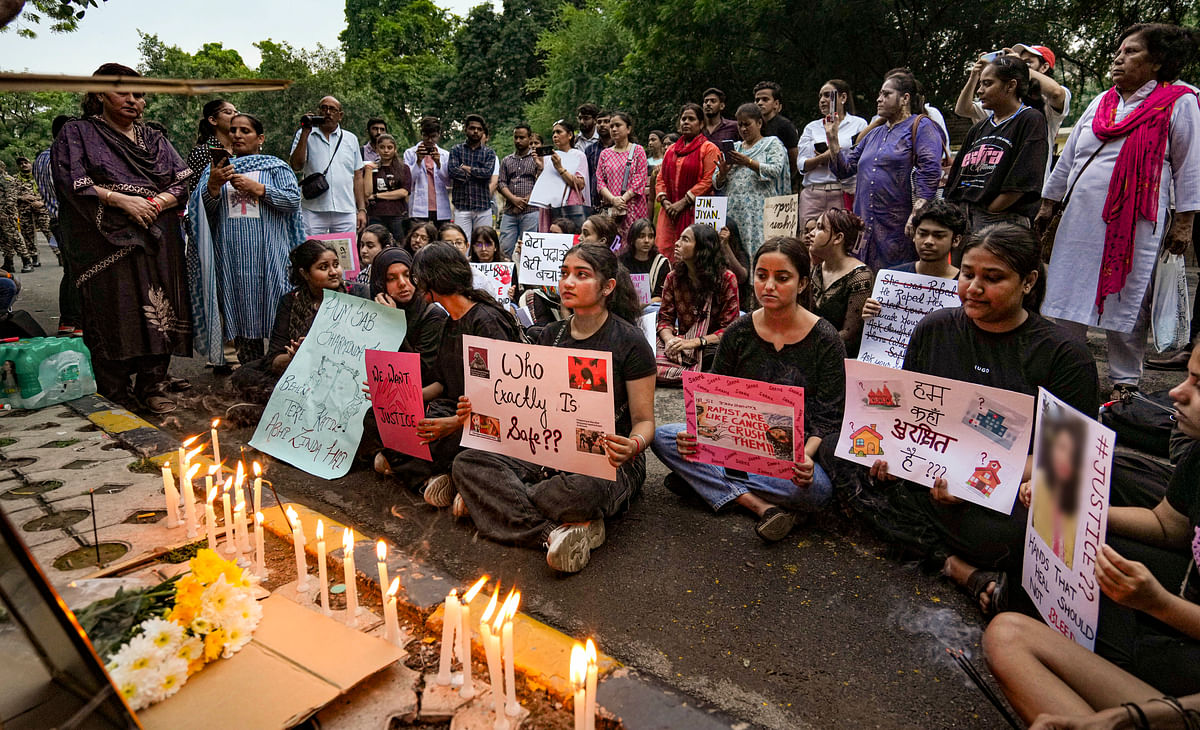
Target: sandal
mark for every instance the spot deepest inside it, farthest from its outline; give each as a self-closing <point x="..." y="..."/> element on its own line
<point x="159" y="404"/>
<point x="177" y="385"/>
<point x="775" y="524"/>
<point x="382" y="465"/>
<point x="977" y="584"/>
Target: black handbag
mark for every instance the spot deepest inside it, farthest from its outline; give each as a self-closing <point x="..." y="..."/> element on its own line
<point x="315" y="185"/>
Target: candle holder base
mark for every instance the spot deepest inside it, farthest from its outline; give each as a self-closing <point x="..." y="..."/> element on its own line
<point x="479" y="715"/>
<point x="442" y="702"/>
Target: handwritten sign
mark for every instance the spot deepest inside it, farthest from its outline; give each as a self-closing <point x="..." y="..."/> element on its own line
<point x="541" y="258"/>
<point x="641" y="285"/>
<point x="1068" y="517"/>
<point x="710" y="210"/>
<point x="314" y="418"/>
<point x="905" y="299"/>
<point x="781" y="216"/>
<point x="496" y="279"/>
<point x="394" y="379"/>
<point x="745" y="424"/>
<point x="551" y="406"/>
<point x="928" y="428"/>
<point x="238" y="204"/>
<point x="346" y="245"/>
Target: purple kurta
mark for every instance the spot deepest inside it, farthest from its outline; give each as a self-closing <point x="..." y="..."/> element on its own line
<point x="131" y="279"/>
<point x="883" y="193"/>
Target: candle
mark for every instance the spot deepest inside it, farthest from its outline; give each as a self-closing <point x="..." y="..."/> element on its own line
<point x="227" y="513"/>
<point x="216" y="447"/>
<point x="491" y="647"/>
<point x="298" y="543"/>
<point x="322" y="576"/>
<point x="512" y="708"/>
<point x="210" y="519"/>
<point x="239" y="521"/>
<point x="350" y="579"/>
<point x="260" y="567"/>
<point x="186" y="473"/>
<point x="257" y="487"/>
<point x="171" y="495"/>
<point x="579" y="682"/>
<point x="450" y="619"/>
<point x="208" y="486"/>
<point x="590" y="702"/>
<point x="391" y="626"/>
<point x="464" y="638"/>
<point x="381" y="557"/>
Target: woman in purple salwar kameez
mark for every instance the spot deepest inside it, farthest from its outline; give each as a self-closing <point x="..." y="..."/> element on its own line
<point x="118" y="183"/>
<point x="887" y="189"/>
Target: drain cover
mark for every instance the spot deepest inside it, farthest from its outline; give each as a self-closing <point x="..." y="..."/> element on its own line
<point x="80" y="464"/>
<point x="85" y="557"/>
<point x="31" y="490"/>
<point x="56" y="521"/>
<point x="145" y="517"/>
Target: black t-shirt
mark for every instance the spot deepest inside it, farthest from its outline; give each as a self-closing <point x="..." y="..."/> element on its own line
<point x="647" y="267"/>
<point x="948" y="344"/>
<point x="909" y="268"/>
<point x="1184" y="497"/>
<point x="632" y="358"/>
<point x="1009" y="157"/>
<point x="782" y="127"/>
<point x="480" y="320"/>
<point x="815" y="363"/>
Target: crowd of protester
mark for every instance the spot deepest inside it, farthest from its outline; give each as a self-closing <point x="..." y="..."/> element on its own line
<point x="1042" y="247"/>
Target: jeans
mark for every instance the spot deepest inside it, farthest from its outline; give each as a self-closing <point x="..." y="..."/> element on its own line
<point x="515" y="502"/>
<point x="512" y="227"/>
<point x="318" y="222"/>
<point x="717" y="488"/>
<point x="469" y="220"/>
<point x="1125" y="349"/>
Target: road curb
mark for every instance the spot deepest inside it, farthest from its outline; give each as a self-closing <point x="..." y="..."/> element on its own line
<point x="131" y="430"/>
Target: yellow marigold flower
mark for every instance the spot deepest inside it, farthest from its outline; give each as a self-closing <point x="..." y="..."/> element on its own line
<point x="214" y="642"/>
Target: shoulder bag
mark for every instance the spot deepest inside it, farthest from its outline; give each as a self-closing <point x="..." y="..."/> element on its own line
<point x="315" y="185"/>
<point x="1046" y="235"/>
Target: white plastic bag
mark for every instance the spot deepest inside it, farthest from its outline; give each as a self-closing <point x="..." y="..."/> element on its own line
<point x="1170" y="313"/>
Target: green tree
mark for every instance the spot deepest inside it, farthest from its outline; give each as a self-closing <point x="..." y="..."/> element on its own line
<point x="25" y="120"/>
<point x="64" y="15"/>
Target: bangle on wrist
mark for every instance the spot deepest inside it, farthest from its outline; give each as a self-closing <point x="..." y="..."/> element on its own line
<point x="641" y="442"/>
<point x="107" y="195"/>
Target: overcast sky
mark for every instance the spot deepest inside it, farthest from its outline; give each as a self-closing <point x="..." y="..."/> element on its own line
<point x="109" y="32"/>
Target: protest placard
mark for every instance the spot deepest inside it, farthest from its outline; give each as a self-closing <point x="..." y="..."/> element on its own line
<point x="346" y="245"/>
<point x="710" y="210"/>
<point x="641" y="285"/>
<point x="551" y="406"/>
<point x="314" y="418"/>
<point x="781" y="216"/>
<point x="494" y="278"/>
<point x="394" y="379"/>
<point x="1068" y="517"/>
<point x="649" y="324"/>
<point x="541" y="258"/>
<point x="928" y="428"/>
<point x="905" y="299"/>
<point x="745" y="424"/>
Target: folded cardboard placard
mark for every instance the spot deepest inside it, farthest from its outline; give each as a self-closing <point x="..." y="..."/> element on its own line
<point x="298" y="661"/>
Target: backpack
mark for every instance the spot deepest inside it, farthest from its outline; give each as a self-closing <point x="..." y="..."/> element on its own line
<point x="1140" y="425"/>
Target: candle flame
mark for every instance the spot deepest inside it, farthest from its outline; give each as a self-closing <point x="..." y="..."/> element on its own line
<point x="216" y="422"/>
<point x="166" y="470"/>
<point x="240" y="474"/>
<point x="516" y="601"/>
<point x="381" y="550"/>
<point x="239" y="508"/>
<point x="212" y="494"/>
<point x="394" y="588"/>
<point x="348" y="539"/>
<point x="475" y="589"/>
<point x="257" y="470"/>
<point x="293" y="517"/>
<point x="590" y="651"/>
<point x="453" y="593"/>
<point x="192" y="454"/>
<point x="578" y="666"/>
<point x="212" y="469"/>
<point x="192" y="472"/>
<point x="491" y="607"/>
<point x="190" y="440"/>
<point x="320" y="530"/>
<point x="258" y="518"/>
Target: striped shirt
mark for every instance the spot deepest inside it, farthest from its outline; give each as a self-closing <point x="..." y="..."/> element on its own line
<point x="45" y="183"/>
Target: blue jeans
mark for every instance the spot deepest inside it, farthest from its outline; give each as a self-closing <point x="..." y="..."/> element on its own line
<point x="718" y="488"/>
<point x="512" y="227"/>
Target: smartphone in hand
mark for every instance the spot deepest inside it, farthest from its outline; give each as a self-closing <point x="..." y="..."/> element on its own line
<point x="831" y="98"/>
<point x="727" y="145"/>
<point x="821" y="147"/>
<point x="544" y="150"/>
<point x="219" y="156"/>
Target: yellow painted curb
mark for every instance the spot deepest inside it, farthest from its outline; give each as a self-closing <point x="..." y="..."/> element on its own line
<point x="119" y="421"/>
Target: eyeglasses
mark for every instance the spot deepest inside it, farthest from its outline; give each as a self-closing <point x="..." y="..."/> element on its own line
<point x="328" y="108"/>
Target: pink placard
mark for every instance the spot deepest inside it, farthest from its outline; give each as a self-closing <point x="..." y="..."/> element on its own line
<point x="745" y="424"/>
<point x="395" y="382"/>
<point x="346" y="245"/>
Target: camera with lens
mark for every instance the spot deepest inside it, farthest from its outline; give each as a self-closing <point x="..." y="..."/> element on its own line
<point x="312" y="120"/>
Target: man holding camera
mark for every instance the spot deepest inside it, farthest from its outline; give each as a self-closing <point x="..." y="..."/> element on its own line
<point x="430" y="167"/>
<point x="327" y="163"/>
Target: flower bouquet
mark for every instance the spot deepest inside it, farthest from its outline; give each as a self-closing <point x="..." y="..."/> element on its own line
<point x="153" y="639"/>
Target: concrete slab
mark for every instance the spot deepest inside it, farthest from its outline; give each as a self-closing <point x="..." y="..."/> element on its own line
<point x="441" y="702"/>
<point x="640" y="704"/>
<point x="371" y="705"/>
<point x="480" y="715"/>
<point x="83" y="457"/>
<point x="77" y="482"/>
<point x="47" y="553"/>
<point x="58" y="437"/>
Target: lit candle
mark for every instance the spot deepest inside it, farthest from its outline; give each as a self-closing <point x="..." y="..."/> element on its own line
<point x="381" y="557"/>
<point x="216" y="447"/>
<point x="590" y="702"/>
<point x="210" y="519"/>
<point x="391" y="626"/>
<point x="579" y="682"/>
<point x="239" y="521"/>
<point x="298" y="543"/>
<point x="512" y="708"/>
<point x="464" y="638"/>
<point x="349" y="577"/>
<point x="450" y="618"/>
<point x="208" y="487"/>
<point x="172" y="496"/>
<point x="260" y="567"/>
<point x="186" y="473"/>
<point x="227" y="513"/>
<point x="257" y="487"/>
<point x="322" y="575"/>
<point x="491" y="647"/>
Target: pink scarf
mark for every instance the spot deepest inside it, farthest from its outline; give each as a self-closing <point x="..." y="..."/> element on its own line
<point x="1134" y="186"/>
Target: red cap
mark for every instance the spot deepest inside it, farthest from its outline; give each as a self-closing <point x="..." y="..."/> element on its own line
<point x="1045" y="53"/>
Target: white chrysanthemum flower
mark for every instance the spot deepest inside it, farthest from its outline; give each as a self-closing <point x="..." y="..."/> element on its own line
<point x="173" y="676"/>
<point x="138" y="655"/>
<point x="201" y="626"/>
<point x="165" y="635"/>
<point x="190" y="649"/>
<point x="215" y="600"/>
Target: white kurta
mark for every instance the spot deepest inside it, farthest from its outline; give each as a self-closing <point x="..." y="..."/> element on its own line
<point x="1074" y="270"/>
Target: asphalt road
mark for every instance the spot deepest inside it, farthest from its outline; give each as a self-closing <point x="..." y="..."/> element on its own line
<point x="820" y="630"/>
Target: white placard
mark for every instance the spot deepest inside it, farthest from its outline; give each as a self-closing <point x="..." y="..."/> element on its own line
<point x="710" y="210"/>
<point x="641" y="285"/>
<point x="495" y="279"/>
<point x="239" y="204"/>
<point x="905" y="299"/>
<point x="541" y="257"/>
<point x="781" y="216"/>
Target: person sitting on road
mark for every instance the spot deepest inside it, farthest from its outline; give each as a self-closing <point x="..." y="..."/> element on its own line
<point x="639" y="255"/>
<point x="420" y="234"/>
<point x="485" y="246"/>
<point x="997" y="339"/>
<point x="373" y="239"/>
<point x="841" y="284"/>
<point x="519" y="503"/>
<point x="939" y="229"/>
<point x="443" y="275"/>
<point x="453" y="234"/>
<point x="782" y="342"/>
<point x="392" y="286"/>
<point x="1148" y="643"/>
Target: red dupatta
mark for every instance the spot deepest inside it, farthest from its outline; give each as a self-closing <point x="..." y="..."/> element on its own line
<point x="678" y="183"/>
<point x="1134" y="187"/>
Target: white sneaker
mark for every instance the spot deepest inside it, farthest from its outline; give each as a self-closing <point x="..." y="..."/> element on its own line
<point x="459" y="508"/>
<point x="439" y="491"/>
<point x="596" y="533"/>
<point x="569" y="547"/>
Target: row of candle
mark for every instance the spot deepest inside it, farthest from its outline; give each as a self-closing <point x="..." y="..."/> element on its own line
<point x="584" y="675"/>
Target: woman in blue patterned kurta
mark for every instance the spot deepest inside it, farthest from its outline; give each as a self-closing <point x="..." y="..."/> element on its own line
<point x="755" y="170"/>
<point x="245" y="220"/>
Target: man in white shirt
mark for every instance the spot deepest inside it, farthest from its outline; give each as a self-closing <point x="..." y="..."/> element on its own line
<point x="334" y="152"/>
<point x="429" y="164"/>
<point x="1040" y="60"/>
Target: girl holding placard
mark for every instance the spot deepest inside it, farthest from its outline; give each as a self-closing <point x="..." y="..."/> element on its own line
<point x="515" y="502"/>
<point x="641" y="256"/>
<point x="782" y="342"/>
<point x="443" y="276"/>
<point x="391" y="286"/>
